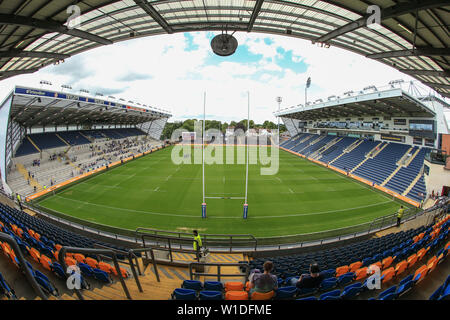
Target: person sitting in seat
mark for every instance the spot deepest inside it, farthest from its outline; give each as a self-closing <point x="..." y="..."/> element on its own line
<point x="311" y="280"/>
<point x="263" y="282"/>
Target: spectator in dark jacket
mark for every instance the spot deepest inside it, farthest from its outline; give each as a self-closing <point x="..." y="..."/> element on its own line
<point x="311" y="280"/>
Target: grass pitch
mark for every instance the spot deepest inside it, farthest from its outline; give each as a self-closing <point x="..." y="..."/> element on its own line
<point x="153" y="192"/>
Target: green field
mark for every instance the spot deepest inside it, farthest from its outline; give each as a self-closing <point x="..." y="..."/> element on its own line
<point x="153" y="192"/>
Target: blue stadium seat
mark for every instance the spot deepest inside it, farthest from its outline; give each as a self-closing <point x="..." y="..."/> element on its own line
<point x="346" y="278"/>
<point x="328" y="284"/>
<point x="312" y="298"/>
<point x="184" y="294"/>
<point x="351" y="291"/>
<point x="331" y="295"/>
<point x="285" y="293"/>
<point x="210" y="295"/>
<point x="192" y="284"/>
<point x="213" y="286"/>
<point x="101" y="275"/>
<point x="388" y="293"/>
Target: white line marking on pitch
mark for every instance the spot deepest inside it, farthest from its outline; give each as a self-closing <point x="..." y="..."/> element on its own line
<point x="291" y="190"/>
<point x="156" y="189"/>
<point x="167" y="179"/>
<point x="219" y="217"/>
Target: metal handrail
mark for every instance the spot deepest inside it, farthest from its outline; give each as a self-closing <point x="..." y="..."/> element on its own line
<point x="85" y="251"/>
<point x="219" y="274"/>
<point x="23" y="264"/>
<point x="131" y="255"/>
<point x="170" y="248"/>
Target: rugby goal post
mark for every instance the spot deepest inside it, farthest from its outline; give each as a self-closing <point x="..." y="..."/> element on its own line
<point x="245" y="208"/>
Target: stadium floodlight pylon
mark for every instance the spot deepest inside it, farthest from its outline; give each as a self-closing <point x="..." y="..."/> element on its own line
<point x="203" y="162"/>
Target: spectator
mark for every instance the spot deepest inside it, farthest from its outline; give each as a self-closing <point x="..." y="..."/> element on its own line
<point x="311" y="280"/>
<point x="263" y="282"/>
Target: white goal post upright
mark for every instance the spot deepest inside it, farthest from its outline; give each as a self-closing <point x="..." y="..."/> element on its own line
<point x="247" y="147"/>
<point x="203" y="156"/>
<point x="223" y="197"/>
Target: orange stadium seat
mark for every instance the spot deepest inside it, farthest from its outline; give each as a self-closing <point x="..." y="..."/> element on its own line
<point x="45" y="262"/>
<point x="432" y="263"/>
<point x="234" y="286"/>
<point x="79" y="257"/>
<point x="355" y="266"/>
<point x="401" y="267"/>
<point x="421" y="253"/>
<point x="387" y="262"/>
<point x="70" y="261"/>
<point x="35" y="255"/>
<point x="262" y="296"/>
<point x="236" y="295"/>
<point x="92" y="262"/>
<point x="341" y="270"/>
<point x="361" y="273"/>
<point x="412" y="259"/>
<point x="388" y="274"/>
<point x="420" y="273"/>
<point x="105" y="267"/>
<point x="123" y="271"/>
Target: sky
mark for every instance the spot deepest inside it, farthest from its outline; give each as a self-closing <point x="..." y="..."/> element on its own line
<point x="173" y="72"/>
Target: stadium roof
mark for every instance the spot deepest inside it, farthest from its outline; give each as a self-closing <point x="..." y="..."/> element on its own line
<point x="413" y="36"/>
<point x="387" y="103"/>
<point x="33" y="107"/>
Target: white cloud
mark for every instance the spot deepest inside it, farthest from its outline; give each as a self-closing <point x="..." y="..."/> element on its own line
<point x="163" y="74"/>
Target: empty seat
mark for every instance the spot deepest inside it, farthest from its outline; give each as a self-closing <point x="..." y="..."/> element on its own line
<point x="236" y="295"/>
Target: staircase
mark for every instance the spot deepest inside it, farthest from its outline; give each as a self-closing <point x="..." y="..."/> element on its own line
<point x="410" y="158"/>
<point x="83" y="135"/>
<point x="301" y="141"/>
<point x="317" y="154"/>
<point x="311" y="143"/>
<point x="34" y="144"/>
<point x="370" y="155"/>
<point x="413" y="183"/>
<point x="24" y="172"/>
<point x="62" y="139"/>
<point x="170" y="279"/>
<point x="353" y="146"/>
<point x="399" y="166"/>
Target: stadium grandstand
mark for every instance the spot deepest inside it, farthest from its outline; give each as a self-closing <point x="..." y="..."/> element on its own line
<point x="377" y="135"/>
<point x="93" y="208"/>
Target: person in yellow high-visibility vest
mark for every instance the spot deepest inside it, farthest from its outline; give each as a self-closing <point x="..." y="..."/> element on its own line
<point x="19" y="201"/>
<point x="197" y="241"/>
<point x="400" y="213"/>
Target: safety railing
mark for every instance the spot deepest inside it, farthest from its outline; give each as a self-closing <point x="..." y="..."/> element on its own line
<point x="133" y="265"/>
<point x="219" y="274"/>
<point x="86" y="251"/>
<point x="228" y="242"/>
<point x="23" y="264"/>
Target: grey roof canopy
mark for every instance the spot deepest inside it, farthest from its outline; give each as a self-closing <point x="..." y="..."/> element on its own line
<point x="391" y="103"/>
<point x="413" y="36"/>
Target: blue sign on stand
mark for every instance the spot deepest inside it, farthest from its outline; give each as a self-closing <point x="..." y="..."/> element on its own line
<point x="245" y="210"/>
<point x="203" y="210"/>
